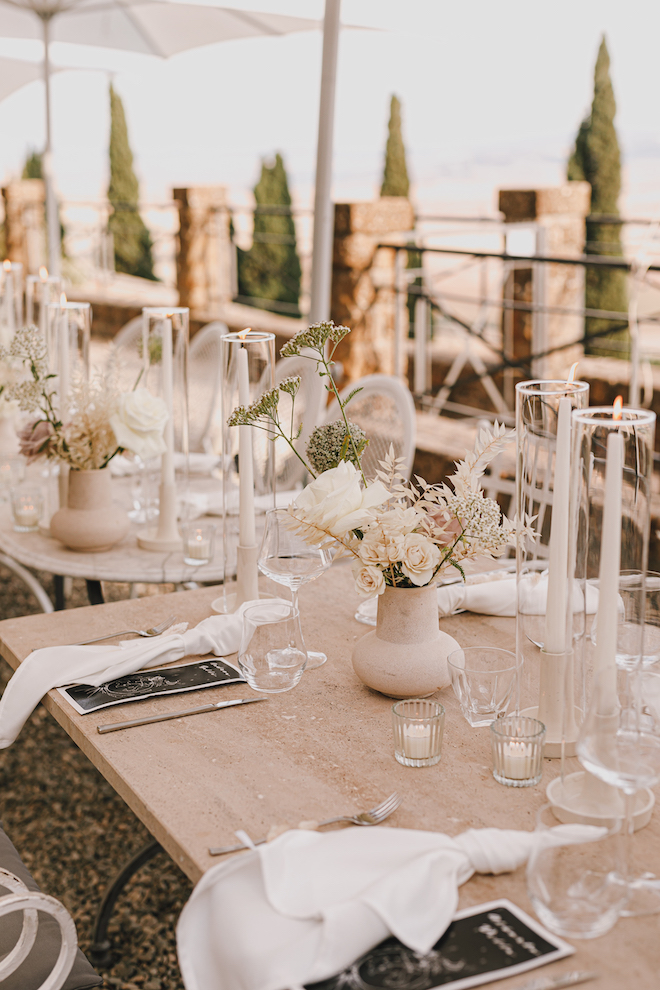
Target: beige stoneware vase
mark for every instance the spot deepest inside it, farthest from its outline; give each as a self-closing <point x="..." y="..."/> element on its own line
<point x="405" y="656"/>
<point x="91" y="521"/>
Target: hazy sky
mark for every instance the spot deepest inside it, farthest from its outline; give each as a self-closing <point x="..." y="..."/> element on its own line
<point x="492" y="93"/>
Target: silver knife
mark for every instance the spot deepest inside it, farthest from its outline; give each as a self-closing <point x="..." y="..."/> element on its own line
<point x="113" y="726"/>
<point x="556" y="982"/>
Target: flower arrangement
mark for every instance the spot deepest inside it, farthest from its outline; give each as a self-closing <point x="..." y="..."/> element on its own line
<point x="400" y="534"/>
<point x="104" y="422"/>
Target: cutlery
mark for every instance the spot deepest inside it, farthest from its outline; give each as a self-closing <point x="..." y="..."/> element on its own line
<point x="146" y="633"/>
<point x="113" y="726"/>
<point x="561" y="980"/>
<point x="373" y="817"/>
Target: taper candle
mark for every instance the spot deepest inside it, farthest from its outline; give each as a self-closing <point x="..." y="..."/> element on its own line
<point x="554" y="640"/>
<point x="608" y="578"/>
<point x="167" y="468"/>
<point x="246" y="519"/>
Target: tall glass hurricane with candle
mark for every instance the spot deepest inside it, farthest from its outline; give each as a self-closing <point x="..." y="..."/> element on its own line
<point x="619" y="744"/>
<point x="549" y="608"/>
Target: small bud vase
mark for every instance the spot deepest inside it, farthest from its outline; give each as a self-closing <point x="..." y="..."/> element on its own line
<point x="91" y="522"/>
<point x="405" y="656"/>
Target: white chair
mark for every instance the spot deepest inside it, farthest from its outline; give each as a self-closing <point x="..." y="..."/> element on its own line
<point x="288" y="469"/>
<point x="386" y="412"/>
<point x="204" y="384"/>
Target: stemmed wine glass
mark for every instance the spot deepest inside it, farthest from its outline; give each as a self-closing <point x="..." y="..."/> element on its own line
<point x="287" y="559"/>
<point x="620" y="743"/>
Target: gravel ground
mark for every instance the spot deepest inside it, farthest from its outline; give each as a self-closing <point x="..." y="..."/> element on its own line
<point x="74" y="833"/>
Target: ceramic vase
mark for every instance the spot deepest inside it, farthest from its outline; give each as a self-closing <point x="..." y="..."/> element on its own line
<point x="91" y="522"/>
<point x="405" y="656"/>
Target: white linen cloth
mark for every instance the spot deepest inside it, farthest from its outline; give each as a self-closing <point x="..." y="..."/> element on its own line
<point x="303" y="907"/>
<point x="495" y="596"/>
<point x="56" y="666"/>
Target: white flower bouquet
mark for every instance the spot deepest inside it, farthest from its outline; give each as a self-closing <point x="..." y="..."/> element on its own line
<point x="103" y="422"/>
<point x="401" y="534"/>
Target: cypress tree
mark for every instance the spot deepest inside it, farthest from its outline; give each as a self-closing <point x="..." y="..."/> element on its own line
<point x="596" y="158"/>
<point x="33" y="168"/>
<point x="131" y="238"/>
<point x="269" y="273"/>
<point x="395" y="173"/>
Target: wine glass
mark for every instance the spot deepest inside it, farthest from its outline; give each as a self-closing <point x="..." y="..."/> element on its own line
<point x="288" y="559"/>
<point x="620" y="743"/>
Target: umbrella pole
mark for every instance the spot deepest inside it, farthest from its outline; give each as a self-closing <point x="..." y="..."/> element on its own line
<point x="323" y="206"/>
<point x="52" y="218"/>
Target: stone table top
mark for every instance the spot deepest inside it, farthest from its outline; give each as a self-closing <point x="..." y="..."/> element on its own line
<point x="322" y="749"/>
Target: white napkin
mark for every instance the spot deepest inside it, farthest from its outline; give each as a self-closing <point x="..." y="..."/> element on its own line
<point x="56" y="666"/>
<point x="496" y="595"/>
<point x="303" y="907"/>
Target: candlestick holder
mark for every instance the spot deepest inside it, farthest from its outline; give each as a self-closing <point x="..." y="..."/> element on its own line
<point x="549" y="612"/>
<point x="41" y="291"/>
<point x="162" y="352"/>
<point x="248" y="476"/>
<point x="613" y="464"/>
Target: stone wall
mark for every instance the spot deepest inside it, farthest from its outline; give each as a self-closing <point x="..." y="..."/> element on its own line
<point x="25" y="232"/>
<point x="559" y="215"/>
<point x="205" y="255"/>
<point x="363" y="287"/>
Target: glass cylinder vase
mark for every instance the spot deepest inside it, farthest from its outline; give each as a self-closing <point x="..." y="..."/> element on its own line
<point x="248" y="485"/>
<point x="613" y="467"/>
<point x="161" y="367"/>
<point x="41" y="291"/>
<point x="549" y="611"/>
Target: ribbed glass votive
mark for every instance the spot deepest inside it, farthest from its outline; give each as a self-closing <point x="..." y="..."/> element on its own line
<point x="517" y="743"/>
<point x="418" y="725"/>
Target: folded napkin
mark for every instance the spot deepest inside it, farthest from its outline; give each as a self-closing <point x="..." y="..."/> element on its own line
<point x="302" y="908"/>
<point x="56" y="666"/>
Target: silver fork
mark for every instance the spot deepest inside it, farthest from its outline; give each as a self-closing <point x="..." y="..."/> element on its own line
<point x="373" y="817"/>
<point x="146" y="633"/>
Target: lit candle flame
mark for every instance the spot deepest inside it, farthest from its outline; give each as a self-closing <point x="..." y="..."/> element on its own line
<point x="243" y="333"/>
<point x="571" y="374"/>
<point x="618" y="407"/>
<point x="43" y="273"/>
<point x="63" y="299"/>
<point x="6" y="264"/>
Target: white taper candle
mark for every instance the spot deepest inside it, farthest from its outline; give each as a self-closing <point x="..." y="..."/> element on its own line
<point x="608" y="577"/>
<point x="167" y="467"/>
<point x="246" y="519"/>
<point x="554" y="640"/>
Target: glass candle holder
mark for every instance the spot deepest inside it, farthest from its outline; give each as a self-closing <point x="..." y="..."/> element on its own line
<point x="484" y="679"/>
<point x="549" y="615"/>
<point x="26" y="507"/>
<point x="41" y="291"/>
<point x="68" y="334"/>
<point x="418" y="725"/>
<point x="198" y="543"/>
<point x="517" y="746"/>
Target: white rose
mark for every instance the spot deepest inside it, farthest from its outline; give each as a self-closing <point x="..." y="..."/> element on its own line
<point x="368" y="580"/>
<point x="336" y="503"/>
<point x="419" y="559"/>
<point x="139" y="422"/>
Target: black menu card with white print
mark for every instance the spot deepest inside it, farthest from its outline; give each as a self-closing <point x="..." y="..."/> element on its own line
<point x="150" y="683"/>
<point x="482" y="944"/>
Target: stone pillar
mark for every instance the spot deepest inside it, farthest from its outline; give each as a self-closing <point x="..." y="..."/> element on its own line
<point x="363" y="282"/>
<point x="25" y="229"/>
<point x="205" y="258"/>
<point x="558" y="217"/>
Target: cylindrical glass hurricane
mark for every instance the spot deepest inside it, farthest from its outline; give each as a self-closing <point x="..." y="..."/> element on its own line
<point x="161" y="364"/>
<point x="613" y="465"/>
<point x="11" y="300"/>
<point x="248" y="477"/>
<point x="549" y="615"/>
<point x="69" y="330"/>
<point x="41" y="291"/>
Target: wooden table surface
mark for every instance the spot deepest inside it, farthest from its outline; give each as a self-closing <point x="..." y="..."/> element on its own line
<point x="323" y="749"/>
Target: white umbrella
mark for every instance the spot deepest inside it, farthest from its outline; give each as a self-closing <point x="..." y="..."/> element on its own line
<point x="162" y="28"/>
<point x="14" y="73"/>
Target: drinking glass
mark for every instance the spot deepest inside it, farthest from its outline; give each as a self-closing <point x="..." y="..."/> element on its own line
<point x="483" y="679"/>
<point x="288" y="559"/>
<point x="271" y="655"/>
<point x="575" y="887"/>
<point x="620" y="743"/>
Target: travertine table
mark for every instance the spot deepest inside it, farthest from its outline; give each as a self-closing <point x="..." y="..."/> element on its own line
<point x="322" y="749"/>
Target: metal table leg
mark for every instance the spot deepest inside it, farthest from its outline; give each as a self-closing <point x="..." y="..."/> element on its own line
<point x="95" y="593"/>
<point x="101" y="950"/>
<point x="60" y="600"/>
